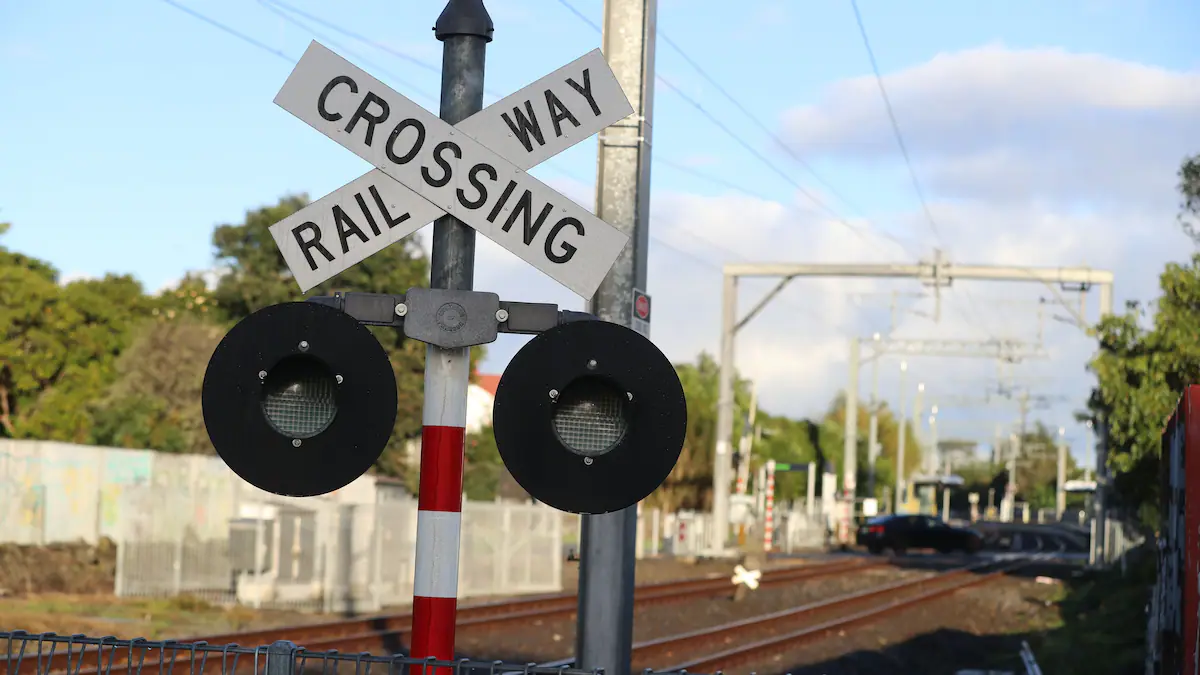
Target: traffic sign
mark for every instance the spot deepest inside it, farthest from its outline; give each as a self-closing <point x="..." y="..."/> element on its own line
<point x="473" y="171"/>
<point x="641" y="312"/>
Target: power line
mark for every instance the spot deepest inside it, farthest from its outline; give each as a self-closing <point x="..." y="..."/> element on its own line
<point x="783" y="145"/>
<point x="239" y="35"/>
<point x="355" y="36"/>
<point x="745" y="145"/>
<point x="269" y="6"/>
<point x="887" y="104"/>
<point x="432" y="67"/>
<point x="912" y="173"/>
<point x="271" y="50"/>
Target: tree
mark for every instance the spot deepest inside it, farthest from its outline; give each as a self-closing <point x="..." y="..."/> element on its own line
<point x="689" y="486"/>
<point x="59" y="345"/>
<point x="258" y="277"/>
<point x="1141" y="372"/>
<point x="888" y="430"/>
<point x="155" y="401"/>
<point x="484" y="474"/>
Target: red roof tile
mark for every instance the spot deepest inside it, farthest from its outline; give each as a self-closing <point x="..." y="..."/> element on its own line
<point x="488" y="383"/>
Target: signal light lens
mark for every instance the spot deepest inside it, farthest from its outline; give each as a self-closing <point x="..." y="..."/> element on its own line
<point x="590" y="416"/>
<point x="299" y="397"/>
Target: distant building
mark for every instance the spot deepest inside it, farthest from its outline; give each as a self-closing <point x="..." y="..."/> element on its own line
<point x="481" y="394"/>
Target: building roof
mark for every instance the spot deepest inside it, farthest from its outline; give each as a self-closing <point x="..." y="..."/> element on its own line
<point x="488" y="382"/>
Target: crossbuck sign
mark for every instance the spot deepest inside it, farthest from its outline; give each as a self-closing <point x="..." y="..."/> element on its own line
<point x="742" y="576"/>
<point x="474" y="171"/>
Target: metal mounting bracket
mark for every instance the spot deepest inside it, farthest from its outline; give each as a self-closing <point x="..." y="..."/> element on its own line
<point x="450" y="319"/>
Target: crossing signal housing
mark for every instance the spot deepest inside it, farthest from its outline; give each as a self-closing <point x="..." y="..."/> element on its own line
<point x="589" y="417"/>
<point x="299" y="399"/>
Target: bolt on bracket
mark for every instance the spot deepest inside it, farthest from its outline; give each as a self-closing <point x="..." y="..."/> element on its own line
<point x="450" y="319"/>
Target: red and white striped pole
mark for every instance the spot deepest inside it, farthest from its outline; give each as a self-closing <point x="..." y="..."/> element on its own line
<point x="464" y="28"/>
<point x="439" y="503"/>
<point x="769" y="511"/>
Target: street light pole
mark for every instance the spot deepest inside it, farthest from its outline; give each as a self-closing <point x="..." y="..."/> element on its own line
<point x="900" y="440"/>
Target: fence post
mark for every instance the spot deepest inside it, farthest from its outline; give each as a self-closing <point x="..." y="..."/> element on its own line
<point x="281" y="658"/>
<point x="119" y="572"/>
<point x="177" y="582"/>
<point x="639" y="546"/>
<point x="376" y="557"/>
<point x="258" y="542"/>
<point x="655" y="532"/>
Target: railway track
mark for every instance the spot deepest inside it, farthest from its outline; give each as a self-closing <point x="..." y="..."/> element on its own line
<point x="760" y="638"/>
<point x="387" y="634"/>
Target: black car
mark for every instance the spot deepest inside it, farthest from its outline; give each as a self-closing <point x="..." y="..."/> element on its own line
<point x="902" y="532"/>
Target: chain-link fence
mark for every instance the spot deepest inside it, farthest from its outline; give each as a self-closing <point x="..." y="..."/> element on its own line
<point x="185" y="524"/>
<point x="316" y="554"/>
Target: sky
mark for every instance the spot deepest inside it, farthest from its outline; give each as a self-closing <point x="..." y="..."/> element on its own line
<point x="1040" y="134"/>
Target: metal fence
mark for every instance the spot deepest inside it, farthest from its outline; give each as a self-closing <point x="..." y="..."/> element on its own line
<point x="269" y="551"/>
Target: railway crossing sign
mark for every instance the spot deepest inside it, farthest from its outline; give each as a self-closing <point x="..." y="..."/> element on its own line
<point x="474" y="171"/>
<point x="741" y="576"/>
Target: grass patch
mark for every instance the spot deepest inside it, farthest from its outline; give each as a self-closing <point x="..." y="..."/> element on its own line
<point x="1101" y="625"/>
<point x="153" y="618"/>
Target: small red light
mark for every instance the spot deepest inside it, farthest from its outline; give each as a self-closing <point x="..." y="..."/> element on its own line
<point x="875" y="529"/>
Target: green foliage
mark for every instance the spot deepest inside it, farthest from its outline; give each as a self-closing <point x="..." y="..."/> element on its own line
<point x="690" y="484"/>
<point x="1141" y="372"/>
<point x="1103" y="620"/>
<point x="258" y="277"/>
<point x="59" y="346"/>
<point x="101" y="361"/>
<point x="155" y="401"/>
<point x="888" y="430"/>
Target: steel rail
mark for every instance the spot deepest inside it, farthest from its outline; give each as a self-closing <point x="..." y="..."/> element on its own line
<point x="389" y="633"/>
<point x="764" y="648"/>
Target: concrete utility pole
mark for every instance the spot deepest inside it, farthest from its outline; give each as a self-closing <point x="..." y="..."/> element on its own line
<point x="604" y="622"/>
<point x="743" y="453"/>
<point x="850" y="442"/>
<point x="937" y="272"/>
<point x="902" y="433"/>
<point x="1004" y="350"/>
<point x="1060" y="492"/>
<point x="1017" y="440"/>
<point x="873" y="425"/>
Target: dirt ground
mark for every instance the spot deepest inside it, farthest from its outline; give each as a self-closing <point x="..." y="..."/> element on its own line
<point x="67" y="589"/>
<point x="980" y="627"/>
<point x="542" y="641"/>
<point x="58" y="568"/>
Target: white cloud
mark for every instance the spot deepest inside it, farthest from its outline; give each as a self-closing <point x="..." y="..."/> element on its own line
<point x="1035" y="157"/>
<point x="1001" y="124"/>
<point x="211" y="277"/>
<point x="1030" y="157"/>
<point x="69" y="277"/>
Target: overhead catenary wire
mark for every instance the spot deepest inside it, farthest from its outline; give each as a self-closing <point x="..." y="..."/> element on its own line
<point x="276" y="52"/>
<point x="912" y="172"/>
<point x="737" y="138"/>
<point x="269" y="5"/>
<point x="658" y="158"/>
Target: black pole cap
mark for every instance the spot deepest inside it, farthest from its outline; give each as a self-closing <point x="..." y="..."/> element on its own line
<point x="464" y="17"/>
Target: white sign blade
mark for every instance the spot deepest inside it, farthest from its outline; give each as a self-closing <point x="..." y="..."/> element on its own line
<point x="552" y="114"/>
<point x="344" y="227"/>
<point x="451" y="170"/>
<point x="522" y="127"/>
